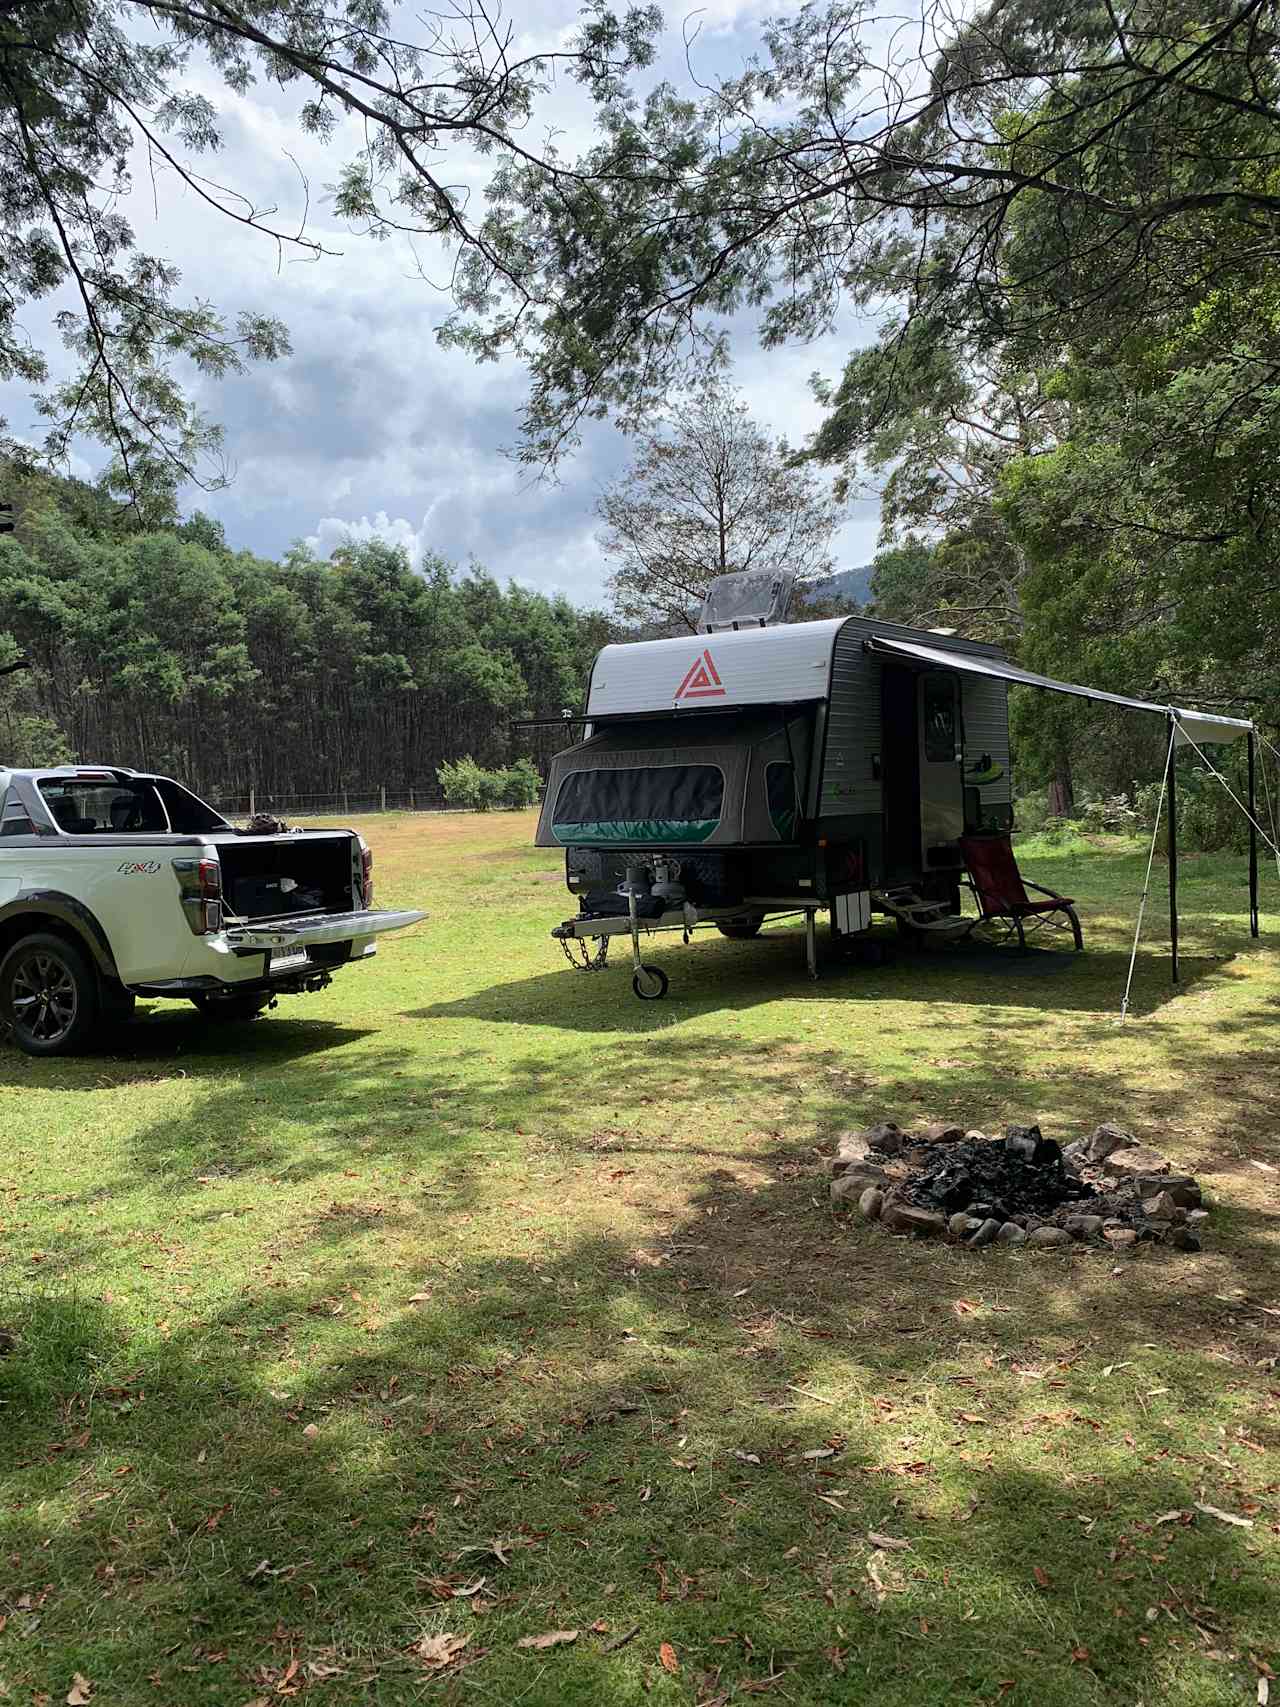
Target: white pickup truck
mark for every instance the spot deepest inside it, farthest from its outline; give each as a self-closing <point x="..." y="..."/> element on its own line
<point x="115" y="884"/>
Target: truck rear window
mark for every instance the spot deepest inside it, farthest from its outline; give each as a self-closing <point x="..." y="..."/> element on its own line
<point x="91" y="808"/>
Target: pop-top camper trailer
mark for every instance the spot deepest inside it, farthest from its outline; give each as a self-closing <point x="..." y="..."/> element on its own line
<point x="760" y="768"/>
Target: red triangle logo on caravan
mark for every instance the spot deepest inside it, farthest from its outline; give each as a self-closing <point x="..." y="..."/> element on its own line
<point x="702" y="680"/>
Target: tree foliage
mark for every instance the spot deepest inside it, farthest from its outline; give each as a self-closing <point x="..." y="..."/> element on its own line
<point x="708" y="493"/>
<point x="89" y="86"/>
<point x="860" y="161"/>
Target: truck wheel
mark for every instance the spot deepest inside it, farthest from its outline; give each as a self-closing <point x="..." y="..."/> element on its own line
<point x="741" y="933"/>
<point x="234" y="1006"/>
<point x="49" y="995"/>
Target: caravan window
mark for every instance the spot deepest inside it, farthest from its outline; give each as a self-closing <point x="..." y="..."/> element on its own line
<point x="784" y="804"/>
<point x="641" y="803"/>
<point x="940" y="744"/>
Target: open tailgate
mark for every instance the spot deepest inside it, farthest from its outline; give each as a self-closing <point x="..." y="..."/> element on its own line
<point x="333" y="927"/>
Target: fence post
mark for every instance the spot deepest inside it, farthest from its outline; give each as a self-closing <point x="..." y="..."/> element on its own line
<point x="252" y="807"/>
<point x="383" y="794"/>
<point x="412" y="807"/>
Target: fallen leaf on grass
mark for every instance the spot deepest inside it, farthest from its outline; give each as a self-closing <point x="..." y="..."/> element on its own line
<point x="667" y="1654"/>
<point x="820" y="1452"/>
<point x="1224" y="1516"/>
<point x="440" y="1651"/>
<point x="888" y="1541"/>
<point x="80" y="1693"/>
<point x="1042" y="1577"/>
<point x="746" y="1457"/>
<point x="1080" y="1656"/>
<point x="1171" y="1517"/>
<point x="1264" y="1692"/>
<point x="549" y="1639"/>
<point x="310" y="1432"/>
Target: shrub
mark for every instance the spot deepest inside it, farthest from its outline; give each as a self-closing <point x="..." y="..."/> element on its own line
<point x="1111" y="815"/>
<point x="1209" y="821"/>
<point x="471" y="786"/>
<point x="1031" y="811"/>
<point x="521" y="784"/>
<point x="465" y="783"/>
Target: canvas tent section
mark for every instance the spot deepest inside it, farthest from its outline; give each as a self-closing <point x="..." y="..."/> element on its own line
<point x="710" y="782"/>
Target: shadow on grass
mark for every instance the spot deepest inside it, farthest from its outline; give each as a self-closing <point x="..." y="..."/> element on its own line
<point x="628" y="1434"/>
<point x="708" y="976"/>
<point x="168" y="1042"/>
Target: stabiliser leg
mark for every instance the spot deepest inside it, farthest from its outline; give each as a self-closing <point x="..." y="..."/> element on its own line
<point x="811" y="941"/>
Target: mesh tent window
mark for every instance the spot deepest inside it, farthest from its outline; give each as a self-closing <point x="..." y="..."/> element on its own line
<point x="640" y="803"/>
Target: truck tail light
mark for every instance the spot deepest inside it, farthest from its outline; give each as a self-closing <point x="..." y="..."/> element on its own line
<point x="366" y="873"/>
<point x="200" y="885"/>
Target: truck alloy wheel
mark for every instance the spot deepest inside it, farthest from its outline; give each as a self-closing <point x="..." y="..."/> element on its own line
<point x="49" y="994"/>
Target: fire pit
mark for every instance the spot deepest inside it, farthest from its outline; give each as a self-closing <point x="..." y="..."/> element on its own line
<point x="1023" y="1188"/>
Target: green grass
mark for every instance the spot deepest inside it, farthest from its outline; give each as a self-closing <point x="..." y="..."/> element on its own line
<point x="475" y="1297"/>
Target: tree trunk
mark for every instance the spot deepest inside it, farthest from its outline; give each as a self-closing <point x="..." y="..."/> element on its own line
<point x="1062" y="794"/>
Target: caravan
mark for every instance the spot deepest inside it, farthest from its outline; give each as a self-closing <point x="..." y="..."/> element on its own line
<point x="760" y="768"/>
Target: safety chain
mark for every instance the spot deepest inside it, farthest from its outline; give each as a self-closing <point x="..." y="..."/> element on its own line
<point x="584" y="960"/>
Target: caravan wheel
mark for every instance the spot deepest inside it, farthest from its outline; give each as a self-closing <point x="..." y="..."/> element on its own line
<point x="649" y="983"/>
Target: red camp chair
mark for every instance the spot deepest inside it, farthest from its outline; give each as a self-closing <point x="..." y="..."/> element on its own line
<point x="1001" y="894"/>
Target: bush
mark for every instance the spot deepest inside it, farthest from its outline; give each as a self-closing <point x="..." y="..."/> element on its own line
<point x="469" y="785"/>
<point x="463" y="782"/>
<point x="1209" y="821"/>
<point x="521" y="784"/>
<point x="1111" y="815"/>
<point x="1031" y="811"/>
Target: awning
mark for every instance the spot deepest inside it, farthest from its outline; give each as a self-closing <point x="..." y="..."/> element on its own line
<point x="1199" y="727"/>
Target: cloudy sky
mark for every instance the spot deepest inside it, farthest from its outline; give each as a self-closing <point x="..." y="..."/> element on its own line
<point x="369" y="427"/>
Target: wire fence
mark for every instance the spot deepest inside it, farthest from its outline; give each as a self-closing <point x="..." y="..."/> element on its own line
<point x="338" y="803"/>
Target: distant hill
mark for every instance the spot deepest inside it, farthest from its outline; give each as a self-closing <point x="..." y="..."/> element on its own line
<point x="849" y="586"/>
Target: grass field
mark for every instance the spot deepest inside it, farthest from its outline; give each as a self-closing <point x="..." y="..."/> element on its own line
<point x="474" y="1299"/>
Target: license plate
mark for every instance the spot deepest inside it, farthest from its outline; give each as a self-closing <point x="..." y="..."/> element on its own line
<point x="283" y="958"/>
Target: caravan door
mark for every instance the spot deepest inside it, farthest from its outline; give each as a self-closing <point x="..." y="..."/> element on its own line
<point x="941" y="767"/>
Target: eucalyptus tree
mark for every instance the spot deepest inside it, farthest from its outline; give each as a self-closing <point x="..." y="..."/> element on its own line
<point x="708" y="492"/>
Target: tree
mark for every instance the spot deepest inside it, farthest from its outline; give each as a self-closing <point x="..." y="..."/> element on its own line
<point x="854" y="163"/>
<point x="87" y="84"/>
<point x="708" y="493"/>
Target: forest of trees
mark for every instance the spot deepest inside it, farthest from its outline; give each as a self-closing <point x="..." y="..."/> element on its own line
<point x="163" y="649"/>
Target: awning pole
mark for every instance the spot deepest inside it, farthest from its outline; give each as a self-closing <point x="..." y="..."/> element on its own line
<point x="1173" y="847"/>
<point x="1146" y="883"/>
<point x="1253" y="840"/>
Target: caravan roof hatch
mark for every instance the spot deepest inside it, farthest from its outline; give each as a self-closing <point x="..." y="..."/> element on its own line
<point x="753" y="598"/>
